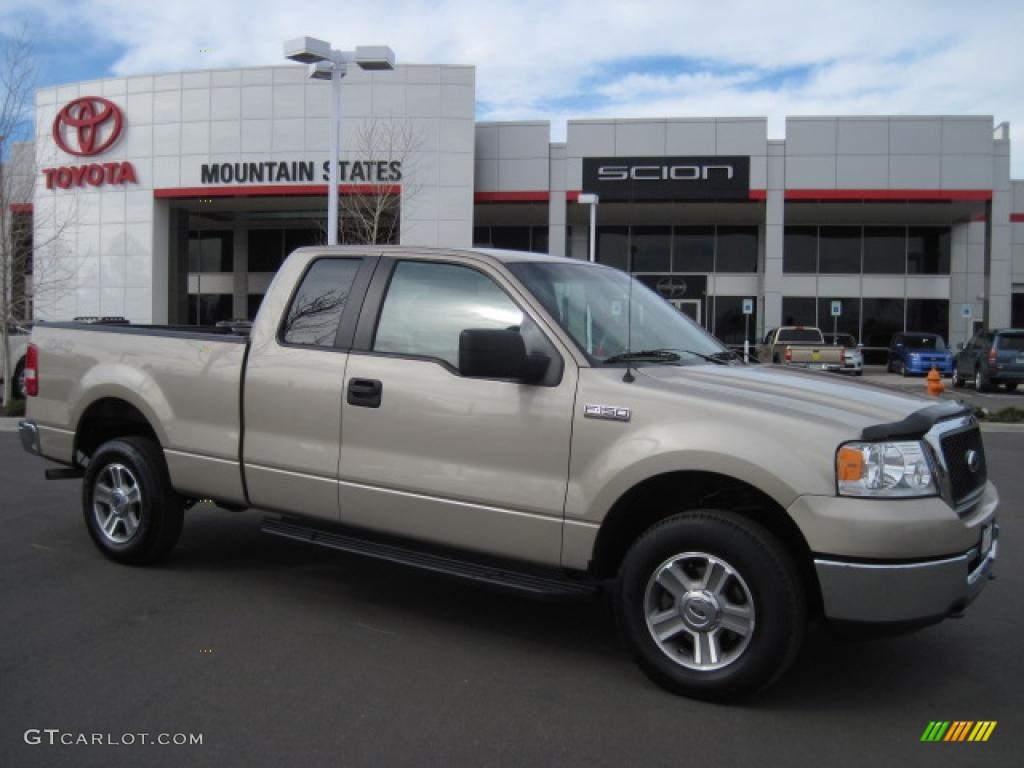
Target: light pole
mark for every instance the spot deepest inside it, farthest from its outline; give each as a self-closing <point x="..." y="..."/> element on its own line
<point x="330" y="64"/>
<point x="592" y="200"/>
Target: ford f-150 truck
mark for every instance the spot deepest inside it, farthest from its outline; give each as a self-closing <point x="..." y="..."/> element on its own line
<point x="802" y="347"/>
<point x="536" y="423"/>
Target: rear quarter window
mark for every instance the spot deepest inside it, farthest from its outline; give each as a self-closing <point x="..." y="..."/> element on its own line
<point x="1011" y="342"/>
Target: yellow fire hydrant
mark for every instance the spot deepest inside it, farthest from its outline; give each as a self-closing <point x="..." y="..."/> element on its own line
<point x="935" y="385"/>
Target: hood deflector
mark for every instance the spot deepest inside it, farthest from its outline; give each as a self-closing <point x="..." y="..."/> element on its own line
<point x="917" y="423"/>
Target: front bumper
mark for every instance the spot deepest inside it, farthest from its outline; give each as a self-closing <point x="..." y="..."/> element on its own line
<point x="905" y="592"/>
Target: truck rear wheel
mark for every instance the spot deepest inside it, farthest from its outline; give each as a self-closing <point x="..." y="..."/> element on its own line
<point x="710" y="605"/>
<point x="132" y="512"/>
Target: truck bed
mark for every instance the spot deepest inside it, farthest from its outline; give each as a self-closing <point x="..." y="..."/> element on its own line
<point x="191" y="379"/>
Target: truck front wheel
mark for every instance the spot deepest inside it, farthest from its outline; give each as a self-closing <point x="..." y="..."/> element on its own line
<point x="710" y="605"/>
<point x="132" y="512"/>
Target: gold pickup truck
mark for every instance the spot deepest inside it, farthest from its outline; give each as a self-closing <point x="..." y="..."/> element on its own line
<point x="801" y="346"/>
<point x="536" y="424"/>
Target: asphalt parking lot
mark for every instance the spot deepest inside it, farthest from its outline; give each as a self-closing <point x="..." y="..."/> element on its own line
<point x="279" y="654"/>
<point x="994" y="400"/>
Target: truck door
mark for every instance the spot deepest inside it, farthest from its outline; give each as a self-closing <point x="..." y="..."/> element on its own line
<point x="426" y="453"/>
<point x="294" y="382"/>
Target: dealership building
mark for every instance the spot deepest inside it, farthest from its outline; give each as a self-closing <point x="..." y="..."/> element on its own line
<point x="174" y="198"/>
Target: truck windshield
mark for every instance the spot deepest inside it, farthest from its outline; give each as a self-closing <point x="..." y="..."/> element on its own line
<point x="592" y="303"/>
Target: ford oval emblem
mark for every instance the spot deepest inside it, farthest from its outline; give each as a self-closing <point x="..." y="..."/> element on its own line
<point x="973" y="461"/>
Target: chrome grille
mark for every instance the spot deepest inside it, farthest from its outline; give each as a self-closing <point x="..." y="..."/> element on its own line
<point x="956" y="446"/>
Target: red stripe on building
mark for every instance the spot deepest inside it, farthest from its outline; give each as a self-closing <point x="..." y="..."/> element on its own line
<point x="759" y="194"/>
<point x="911" y="195"/>
<point x="277" y="190"/>
<point x="541" y="196"/>
<point x="1018" y="217"/>
<point x="21" y="207"/>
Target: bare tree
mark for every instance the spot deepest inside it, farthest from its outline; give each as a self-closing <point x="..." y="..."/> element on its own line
<point x="24" y="279"/>
<point x="387" y="151"/>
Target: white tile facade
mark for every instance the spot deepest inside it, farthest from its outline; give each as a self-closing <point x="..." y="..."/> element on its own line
<point x="113" y="239"/>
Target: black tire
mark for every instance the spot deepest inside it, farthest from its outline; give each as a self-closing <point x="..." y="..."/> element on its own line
<point x="957" y="380"/>
<point x="158" y="514"/>
<point x="903" y="370"/>
<point x="18" y="390"/>
<point x="858" y="373"/>
<point x="767" y="577"/>
<point x="1010" y="386"/>
<point x="980" y="381"/>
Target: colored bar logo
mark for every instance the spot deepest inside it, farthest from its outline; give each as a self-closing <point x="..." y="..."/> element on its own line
<point x="958" y="730"/>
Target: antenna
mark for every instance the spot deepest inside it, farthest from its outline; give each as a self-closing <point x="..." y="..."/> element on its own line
<point x="628" y="377"/>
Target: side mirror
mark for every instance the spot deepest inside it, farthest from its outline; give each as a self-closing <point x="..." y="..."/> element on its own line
<point x="499" y="354"/>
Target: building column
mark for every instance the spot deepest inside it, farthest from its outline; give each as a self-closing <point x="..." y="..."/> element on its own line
<point x="999" y="262"/>
<point x="240" y="299"/>
<point x="772" y="276"/>
<point x="556" y="201"/>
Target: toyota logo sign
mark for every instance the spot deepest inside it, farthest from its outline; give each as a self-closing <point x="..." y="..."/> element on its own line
<point x="87" y="126"/>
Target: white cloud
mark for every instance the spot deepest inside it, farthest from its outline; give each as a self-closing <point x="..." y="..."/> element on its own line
<point x="533" y="57"/>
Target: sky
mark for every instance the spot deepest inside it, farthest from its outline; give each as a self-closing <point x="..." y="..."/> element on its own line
<point x="594" y="58"/>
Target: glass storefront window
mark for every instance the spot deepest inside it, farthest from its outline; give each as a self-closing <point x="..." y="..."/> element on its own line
<point x="882" y="318"/>
<point x="693" y="249"/>
<point x="300" y="238"/>
<point x="799" y="310"/>
<point x="211" y="251"/>
<point x="513" y="238"/>
<point x="928" y="251"/>
<point x="839" y="250"/>
<point x="209" y="308"/>
<point x="928" y="316"/>
<point x="612" y="246"/>
<point x="731" y="323"/>
<point x="266" y="250"/>
<point x="651" y="249"/>
<point x="737" y="249"/>
<point x="885" y="250"/>
<point x="848" y="320"/>
<point x="800" y="249"/>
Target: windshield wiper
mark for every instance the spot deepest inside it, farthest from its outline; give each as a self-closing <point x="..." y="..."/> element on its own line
<point x="668" y="356"/>
<point x="644" y="355"/>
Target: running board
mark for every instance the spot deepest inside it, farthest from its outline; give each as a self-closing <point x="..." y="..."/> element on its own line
<point x="550" y="585"/>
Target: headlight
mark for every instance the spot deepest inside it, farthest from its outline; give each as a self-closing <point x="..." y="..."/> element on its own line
<point x="885" y="469"/>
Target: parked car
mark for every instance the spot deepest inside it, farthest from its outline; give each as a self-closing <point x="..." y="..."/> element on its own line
<point x="852" y="358"/>
<point x="802" y="347"/>
<point x="537" y="424"/>
<point x="991" y="358"/>
<point x="917" y="353"/>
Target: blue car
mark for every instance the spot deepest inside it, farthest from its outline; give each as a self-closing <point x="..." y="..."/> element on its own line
<point x="911" y="353"/>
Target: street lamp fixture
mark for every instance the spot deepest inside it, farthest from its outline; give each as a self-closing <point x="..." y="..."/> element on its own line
<point x="592" y="200"/>
<point x="331" y="64"/>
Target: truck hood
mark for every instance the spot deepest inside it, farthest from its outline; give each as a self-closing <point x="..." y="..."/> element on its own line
<point x="820" y="398"/>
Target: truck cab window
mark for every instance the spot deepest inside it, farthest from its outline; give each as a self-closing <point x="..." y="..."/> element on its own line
<point x="313" y="317"/>
<point x="428" y="305"/>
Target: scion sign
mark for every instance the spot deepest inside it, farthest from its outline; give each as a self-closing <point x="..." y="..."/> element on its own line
<point x="668" y="178"/>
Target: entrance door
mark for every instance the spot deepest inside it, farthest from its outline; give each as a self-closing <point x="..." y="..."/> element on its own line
<point x="689" y="307"/>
